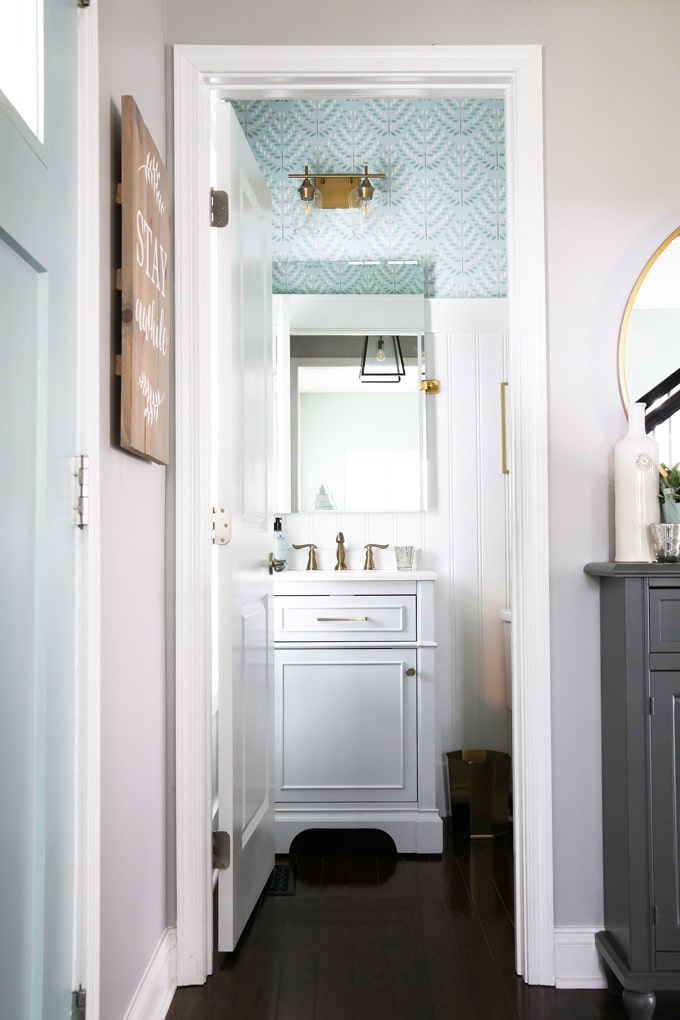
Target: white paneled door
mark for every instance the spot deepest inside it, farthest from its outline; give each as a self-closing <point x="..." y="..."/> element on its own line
<point x="37" y="532"/>
<point x="242" y="484"/>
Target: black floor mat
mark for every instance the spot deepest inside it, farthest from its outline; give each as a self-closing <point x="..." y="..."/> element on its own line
<point x="281" y="881"/>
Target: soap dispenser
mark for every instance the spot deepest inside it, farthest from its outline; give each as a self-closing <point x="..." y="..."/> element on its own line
<point x="280" y="545"/>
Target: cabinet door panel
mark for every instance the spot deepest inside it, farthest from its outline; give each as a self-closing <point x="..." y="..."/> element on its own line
<point x="346" y="725"/>
<point x="664" y="620"/>
<point x="665" y="756"/>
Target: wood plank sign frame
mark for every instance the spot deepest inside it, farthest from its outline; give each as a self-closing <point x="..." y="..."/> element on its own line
<point x="147" y="292"/>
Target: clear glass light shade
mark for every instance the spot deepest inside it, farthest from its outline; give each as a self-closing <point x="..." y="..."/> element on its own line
<point x="355" y="200"/>
<point x="314" y="202"/>
<point x="382" y="360"/>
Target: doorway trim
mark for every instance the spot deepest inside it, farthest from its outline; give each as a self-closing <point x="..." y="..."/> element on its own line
<point x="86" y="968"/>
<point x="513" y="73"/>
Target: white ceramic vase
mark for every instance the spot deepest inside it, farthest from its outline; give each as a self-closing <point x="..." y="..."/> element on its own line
<point x="636" y="490"/>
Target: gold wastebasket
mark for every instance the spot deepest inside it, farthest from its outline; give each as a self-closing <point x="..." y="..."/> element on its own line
<point x="479" y="782"/>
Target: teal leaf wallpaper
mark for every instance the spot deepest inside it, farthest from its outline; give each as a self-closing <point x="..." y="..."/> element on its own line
<point x="437" y="221"/>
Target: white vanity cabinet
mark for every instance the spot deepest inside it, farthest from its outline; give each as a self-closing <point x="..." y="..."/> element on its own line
<point x="354" y="668"/>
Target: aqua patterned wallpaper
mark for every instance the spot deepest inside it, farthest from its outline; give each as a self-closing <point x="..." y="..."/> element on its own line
<point x="441" y="205"/>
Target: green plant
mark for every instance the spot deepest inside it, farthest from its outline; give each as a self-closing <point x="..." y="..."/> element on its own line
<point x="669" y="478"/>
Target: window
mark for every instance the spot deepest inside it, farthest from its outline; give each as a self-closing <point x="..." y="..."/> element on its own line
<point x="22" y="60"/>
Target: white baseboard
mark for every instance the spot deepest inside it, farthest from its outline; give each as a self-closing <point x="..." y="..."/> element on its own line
<point x="152" y="999"/>
<point x="577" y="963"/>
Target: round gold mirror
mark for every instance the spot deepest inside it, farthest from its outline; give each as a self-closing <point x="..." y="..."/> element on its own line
<point x="649" y="339"/>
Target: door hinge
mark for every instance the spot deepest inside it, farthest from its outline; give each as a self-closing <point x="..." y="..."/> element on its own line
<point x="82" y="500"/>
<point x="219" y="208"/>
<point x="78" y="1004"/>
<point x="651" y="706"/>
<point x="655" y="915"/>
<point x="83" y="3"/>
<point x="221" y="849"/>
<point x="431" y="386"/>
<point x="221" y="527"/>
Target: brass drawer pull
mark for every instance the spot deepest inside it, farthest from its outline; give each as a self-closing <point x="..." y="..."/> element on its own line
<point x="342" y="619"/>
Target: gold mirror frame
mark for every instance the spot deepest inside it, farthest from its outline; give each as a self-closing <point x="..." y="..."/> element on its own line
<point x="623" y="384"/>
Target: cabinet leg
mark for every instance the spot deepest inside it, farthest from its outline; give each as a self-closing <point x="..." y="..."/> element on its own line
<point x="639" y="1005"/>
<point x="614" y="986"/>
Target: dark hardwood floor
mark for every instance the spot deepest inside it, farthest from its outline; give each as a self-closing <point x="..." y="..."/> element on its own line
<point x="374" y="935"/>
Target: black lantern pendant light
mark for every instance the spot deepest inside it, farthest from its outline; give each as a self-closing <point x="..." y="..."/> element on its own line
<point x="382" y="360"/>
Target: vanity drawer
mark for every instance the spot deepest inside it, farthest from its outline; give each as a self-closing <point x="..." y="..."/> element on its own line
<point x="348" y="619"/>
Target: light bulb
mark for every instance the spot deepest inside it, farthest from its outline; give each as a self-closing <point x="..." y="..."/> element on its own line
<point x="311" y="199"/>
<point x="366" y="191"/>
<point x="380" y="355"/>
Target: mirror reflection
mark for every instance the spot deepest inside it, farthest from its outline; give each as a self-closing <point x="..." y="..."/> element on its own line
<point x="350" y="411"/>
<point x="355" y="443"/>
<point x="649" y="346"/>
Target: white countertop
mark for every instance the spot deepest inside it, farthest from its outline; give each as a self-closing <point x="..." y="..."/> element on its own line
<point x="353" y="576"/>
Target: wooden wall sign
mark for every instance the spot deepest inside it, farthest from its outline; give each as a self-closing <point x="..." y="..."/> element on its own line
<point x="146" y="285"/>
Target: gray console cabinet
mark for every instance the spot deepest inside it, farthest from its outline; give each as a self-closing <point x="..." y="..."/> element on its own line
<point x="640" y="641"/>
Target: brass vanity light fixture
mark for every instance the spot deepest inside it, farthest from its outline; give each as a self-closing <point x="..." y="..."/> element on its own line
<point x="336" y="191"/>
<point x="382" y="360"/>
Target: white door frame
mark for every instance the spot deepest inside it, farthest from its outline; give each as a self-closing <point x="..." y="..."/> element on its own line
<point x="87" y="792"/>
<point x="253" y="72"/>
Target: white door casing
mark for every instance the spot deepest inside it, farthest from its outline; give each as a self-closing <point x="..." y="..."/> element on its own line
<point x="242" y="409"/>
<point x="86" y="964"/>
<point x="515" y="74"/>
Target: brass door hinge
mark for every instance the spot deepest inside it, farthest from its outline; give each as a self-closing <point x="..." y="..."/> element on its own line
<point x="221" y="847"/>
<point x="431" y="386"/>
<point x="220" y="526"/>
<point x="78" y="1004"/>
<point x="82" y="497"/>
<point x="219" y="208"/>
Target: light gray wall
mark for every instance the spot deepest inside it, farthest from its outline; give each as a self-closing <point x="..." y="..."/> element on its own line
<point x="612" y="82"/>
<point x="133" y="908"/>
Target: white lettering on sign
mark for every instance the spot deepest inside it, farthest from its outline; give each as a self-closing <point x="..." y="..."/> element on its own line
<point x="155" y="333"/>
<point x="152" y="173"/>
<point x="150" y="254"/>
<point x="152" y="399"/>
<point x="147" y="291"/>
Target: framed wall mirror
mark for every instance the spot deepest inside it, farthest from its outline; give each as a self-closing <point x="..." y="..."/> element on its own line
<point x="649" y="346"/>
<point x="345" y="440"/>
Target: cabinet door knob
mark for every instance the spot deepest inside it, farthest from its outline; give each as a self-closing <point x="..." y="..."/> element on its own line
<point x="410" y="671"/>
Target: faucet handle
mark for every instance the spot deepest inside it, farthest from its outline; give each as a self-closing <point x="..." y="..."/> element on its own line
<point x="369" y="563"/>
<point x="340" y="552"/>
<point x="311" y="559"/>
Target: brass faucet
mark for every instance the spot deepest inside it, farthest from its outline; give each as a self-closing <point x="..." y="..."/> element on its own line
<point x="369" y="563"/>
<point x="340" y="557"/>
<point x="311" y="559"/>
